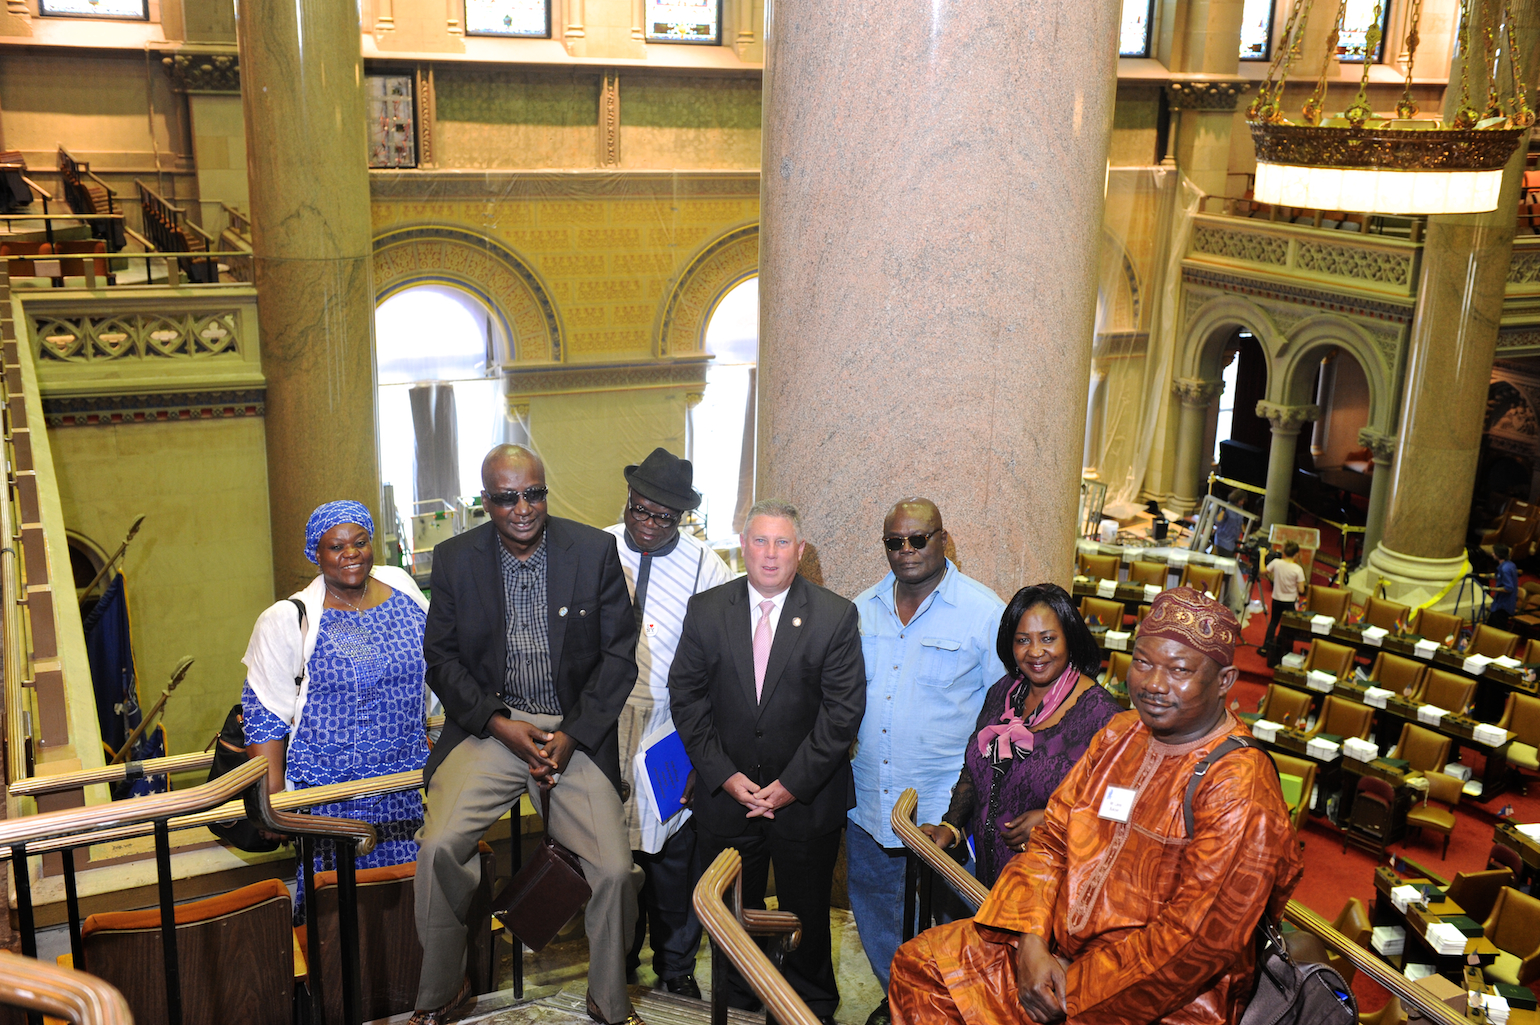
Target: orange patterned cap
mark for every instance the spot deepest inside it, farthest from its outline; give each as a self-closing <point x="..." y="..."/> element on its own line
<point x="1191" y="617"/>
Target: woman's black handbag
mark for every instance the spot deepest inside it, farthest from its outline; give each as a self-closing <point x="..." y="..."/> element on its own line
<point x="230" y="753"/>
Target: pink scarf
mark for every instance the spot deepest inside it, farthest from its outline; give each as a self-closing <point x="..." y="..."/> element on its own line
<point x="1012" y="731"/>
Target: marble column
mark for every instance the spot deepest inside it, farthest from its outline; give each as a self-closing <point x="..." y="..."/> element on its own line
<point x="1195" y="399"/>
<point x="1383" y="447"/>
<point x="1326" y="387"/>
<point x="1465" y="263"/>
<point x="1286" y="422"/>
<point x="307" y="165"/>
<point x="931" y="216"/>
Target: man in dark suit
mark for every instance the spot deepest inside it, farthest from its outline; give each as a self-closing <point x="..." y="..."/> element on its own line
<point x="530" y="645"/>
<point x="767" y="690"/>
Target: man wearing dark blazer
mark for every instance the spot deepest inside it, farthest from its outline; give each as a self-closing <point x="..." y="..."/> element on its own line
<point x="530" y="644"/>
<point x="767" y="690"/>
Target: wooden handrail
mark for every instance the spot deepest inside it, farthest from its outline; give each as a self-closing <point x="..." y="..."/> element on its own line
<point x="734" y="941"/>
<point x="61" y="217"/>
<point x="35" y="187"/>
<point x="974" y="892"/>
<point x="75" y="996"/>
<point x="259" y="809"/>
<point x="162" y="200"/>
<point x="36" y="785"/>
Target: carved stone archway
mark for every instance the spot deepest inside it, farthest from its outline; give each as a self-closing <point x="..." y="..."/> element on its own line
<point x="505" y="281"/>
<point x="708" y="275"/>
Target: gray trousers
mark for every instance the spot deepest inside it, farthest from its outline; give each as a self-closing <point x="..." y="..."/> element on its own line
<point x="475" y="785"/>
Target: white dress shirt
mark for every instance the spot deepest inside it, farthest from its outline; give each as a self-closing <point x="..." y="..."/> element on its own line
<point x="775" y="613"/>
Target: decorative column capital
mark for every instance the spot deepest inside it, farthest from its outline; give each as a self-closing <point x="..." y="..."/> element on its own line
<point x="204" y="72"/>
<point x="1378" y="442"/>
<point x="1197" y="394"/>
<point x="1287" y="419"/>
<point x="1219" y="96"/>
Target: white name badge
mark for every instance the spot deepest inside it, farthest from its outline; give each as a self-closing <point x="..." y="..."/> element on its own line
<point x="1117" y="804"/>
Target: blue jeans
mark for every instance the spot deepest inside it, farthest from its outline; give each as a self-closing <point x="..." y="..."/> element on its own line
<point x="875" y="877"/>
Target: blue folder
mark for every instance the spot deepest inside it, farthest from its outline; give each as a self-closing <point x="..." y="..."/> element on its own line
<point x="668" y="768"/>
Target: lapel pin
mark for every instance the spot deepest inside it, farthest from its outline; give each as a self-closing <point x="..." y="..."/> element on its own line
<point x="796" y="621"/>
<point x="562" y="611"/>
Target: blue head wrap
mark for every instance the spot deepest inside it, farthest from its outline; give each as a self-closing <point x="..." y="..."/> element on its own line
<point x="330" y="515"/>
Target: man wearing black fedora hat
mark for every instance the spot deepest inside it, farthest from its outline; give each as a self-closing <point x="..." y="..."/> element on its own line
<point x="664" y="566"/>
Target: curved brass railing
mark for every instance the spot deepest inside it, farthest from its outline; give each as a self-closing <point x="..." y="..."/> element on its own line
<point x="33" y="985"/>
<point x="32" y="786"/>
<point x="729" y="936"/>
<point x="971" y="890"/>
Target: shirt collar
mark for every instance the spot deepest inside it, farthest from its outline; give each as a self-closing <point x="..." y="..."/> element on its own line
<point x="755" y="598"/>
<point x="945" y="591"/>
<point x="535" y="561"/>
<point x="656" y="553"/>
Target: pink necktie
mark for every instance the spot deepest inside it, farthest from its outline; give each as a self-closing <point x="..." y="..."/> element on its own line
<point x="762" y="647"/>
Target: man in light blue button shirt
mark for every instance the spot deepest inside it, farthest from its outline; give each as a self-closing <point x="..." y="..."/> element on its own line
<point x="928" y="638"/>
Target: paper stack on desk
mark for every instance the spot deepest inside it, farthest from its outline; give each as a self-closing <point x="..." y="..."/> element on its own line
<point x="1264" y="729"/>
<point x="1446" y="939"/>
<point x="1476" y="664"/>
<point x="1321" y="624"/>
<point x="1377" y="696"/>
<point x="1117" y="640"/>
<point x="1360" y="749"/>
<point x="1323" y="682"/>
<point x="1431" y="714"/>
<point x="1404" y="896"/>
<point x="1529" y="829"/>
<point x="1293" y="660"/>
<point x="1425" y="648"/>
<point x="1106" y="588"/>
<point x="1507" y="662"/>
<point x="1389" y="940"/>
<point x="1323" y="750"/>
<point x="1486" y="733"/>
<point x="1150" y="591"/>
<point x="1374" y="635"/>
<point x="1496" y="1007"/>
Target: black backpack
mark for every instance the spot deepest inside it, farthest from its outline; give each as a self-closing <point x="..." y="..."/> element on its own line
<point x="230" y="753"/>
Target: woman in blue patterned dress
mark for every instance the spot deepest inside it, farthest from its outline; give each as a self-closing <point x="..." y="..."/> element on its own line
<point x="343" y="683"/>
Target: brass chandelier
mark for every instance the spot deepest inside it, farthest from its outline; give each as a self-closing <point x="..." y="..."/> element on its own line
<point x="1365" y="162"/>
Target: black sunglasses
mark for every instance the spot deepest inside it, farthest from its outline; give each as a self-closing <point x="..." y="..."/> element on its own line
<point x="916" y="541"/>
<point x="662" y="519"/>
<point x="534" y="496"/>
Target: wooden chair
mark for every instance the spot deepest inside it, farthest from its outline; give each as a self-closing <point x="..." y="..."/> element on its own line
<point x="1515" y="531"/>
<point x="1436" y="812"/>
<point x="1390" y="1013"/>
<point x="1148" y="573"/>
<point x="235" y="953"/>
<point x="1327" y="657"/>
<point x="1385" y="614"/>
<point x="1343" y="718"/>
<point x="389" y="956"/>
<point x="1353" y="922"/>
<point x="1531" y="651"/>
<point x="1370" y="820"/>
<point x="1514" y="928"/>
<point x="1447" y="690"/>
<point x="1099" y="567"/>
<point x="1283" y="705"/>
<point x="1425" y="750"/>
<point x="73" y="255"/>
<point x="1329" y="601"/>
<point x="1396" y="673"/>
<point x="22" y="268"/>
<point x="1208" y="579"/>
<point x="1438" y="626"/>
<point x="1117" y="666"/>
<point x="1108" y="613"/>
<point x="1476" y="892"/>
<point x="1521" y="714"/>
<point x="1493" y="643"/>
<point x="1302" y="769"/>
<point x="1505" y="857"/>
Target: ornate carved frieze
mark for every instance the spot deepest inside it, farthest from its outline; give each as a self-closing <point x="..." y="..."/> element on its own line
<point x="1390" y="149"/>
<point x="1378" y="442"/>
<point x="1520" y="338"/>
<point x="1524" y="269"/>
<point x="137" y="336"/>
<point x="1288" y="419"/>
<point x="1241" y="245"/>
<point x="1195" y="393"/>
<point x="609" y="118"/>
<point x="1354" y="262"/>
<point x="590" y="377"/>
<point x="1205" y="95"/>
<point x="204" y="72"/>
<point x="1334" y="301"/>
<point x="114" y="410"/>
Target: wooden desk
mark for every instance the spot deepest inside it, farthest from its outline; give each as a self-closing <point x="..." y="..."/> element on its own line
<point x="1508" y="835"/>
<point x="1416" y="919"/>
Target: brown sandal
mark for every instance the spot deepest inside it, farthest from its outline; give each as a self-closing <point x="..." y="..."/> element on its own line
<point x="593" y="1012"/>
<point x="451" y="1011"/>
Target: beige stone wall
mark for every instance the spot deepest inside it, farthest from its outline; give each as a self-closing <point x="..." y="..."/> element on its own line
<point x="1134" y="125"/>
<point x="200" y="570"/>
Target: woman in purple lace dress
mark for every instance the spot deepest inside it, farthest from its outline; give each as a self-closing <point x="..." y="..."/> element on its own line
<point x="1035" y="724"/>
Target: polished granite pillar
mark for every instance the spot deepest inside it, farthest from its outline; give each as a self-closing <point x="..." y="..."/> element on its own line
<point x="1286" y="422"/>
<point x="1383" y="448"/>
<point x="307" y="162"/>
<point x="933" y="179"/>
<point x="1194" y="399"/>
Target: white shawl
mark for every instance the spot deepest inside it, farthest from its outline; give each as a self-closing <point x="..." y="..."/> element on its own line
<point x="278" y="653"/>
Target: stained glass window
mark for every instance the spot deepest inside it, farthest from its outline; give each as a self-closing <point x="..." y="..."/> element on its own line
<point x="138" y="10"/>
<point x="684" y="21"/>
<point x="1134" y="36"/>
<point x="1355" y="27"/>
<point x="508" y="18"/>
<point x="1257" y="30"/>
<point x="392" y="124"/>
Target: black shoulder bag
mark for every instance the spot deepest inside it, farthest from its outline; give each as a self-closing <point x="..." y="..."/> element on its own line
<point x="230" y="753"/>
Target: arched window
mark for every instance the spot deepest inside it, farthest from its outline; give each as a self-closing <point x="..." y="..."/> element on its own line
<point x="722" y="425"/>
<point x="440" y="400"/>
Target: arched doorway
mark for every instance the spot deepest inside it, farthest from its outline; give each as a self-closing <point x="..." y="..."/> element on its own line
<point x="721" y="438"/>
<point x="1237" y="439"/>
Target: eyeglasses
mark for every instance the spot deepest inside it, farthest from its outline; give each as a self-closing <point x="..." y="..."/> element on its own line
<point x="662" y="519"/>
<point x="534" y="496"/>
<point x="916" y="541"/>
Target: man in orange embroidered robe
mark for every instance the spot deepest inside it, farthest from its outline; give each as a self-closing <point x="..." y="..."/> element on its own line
<point x="1114" y="914"/>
